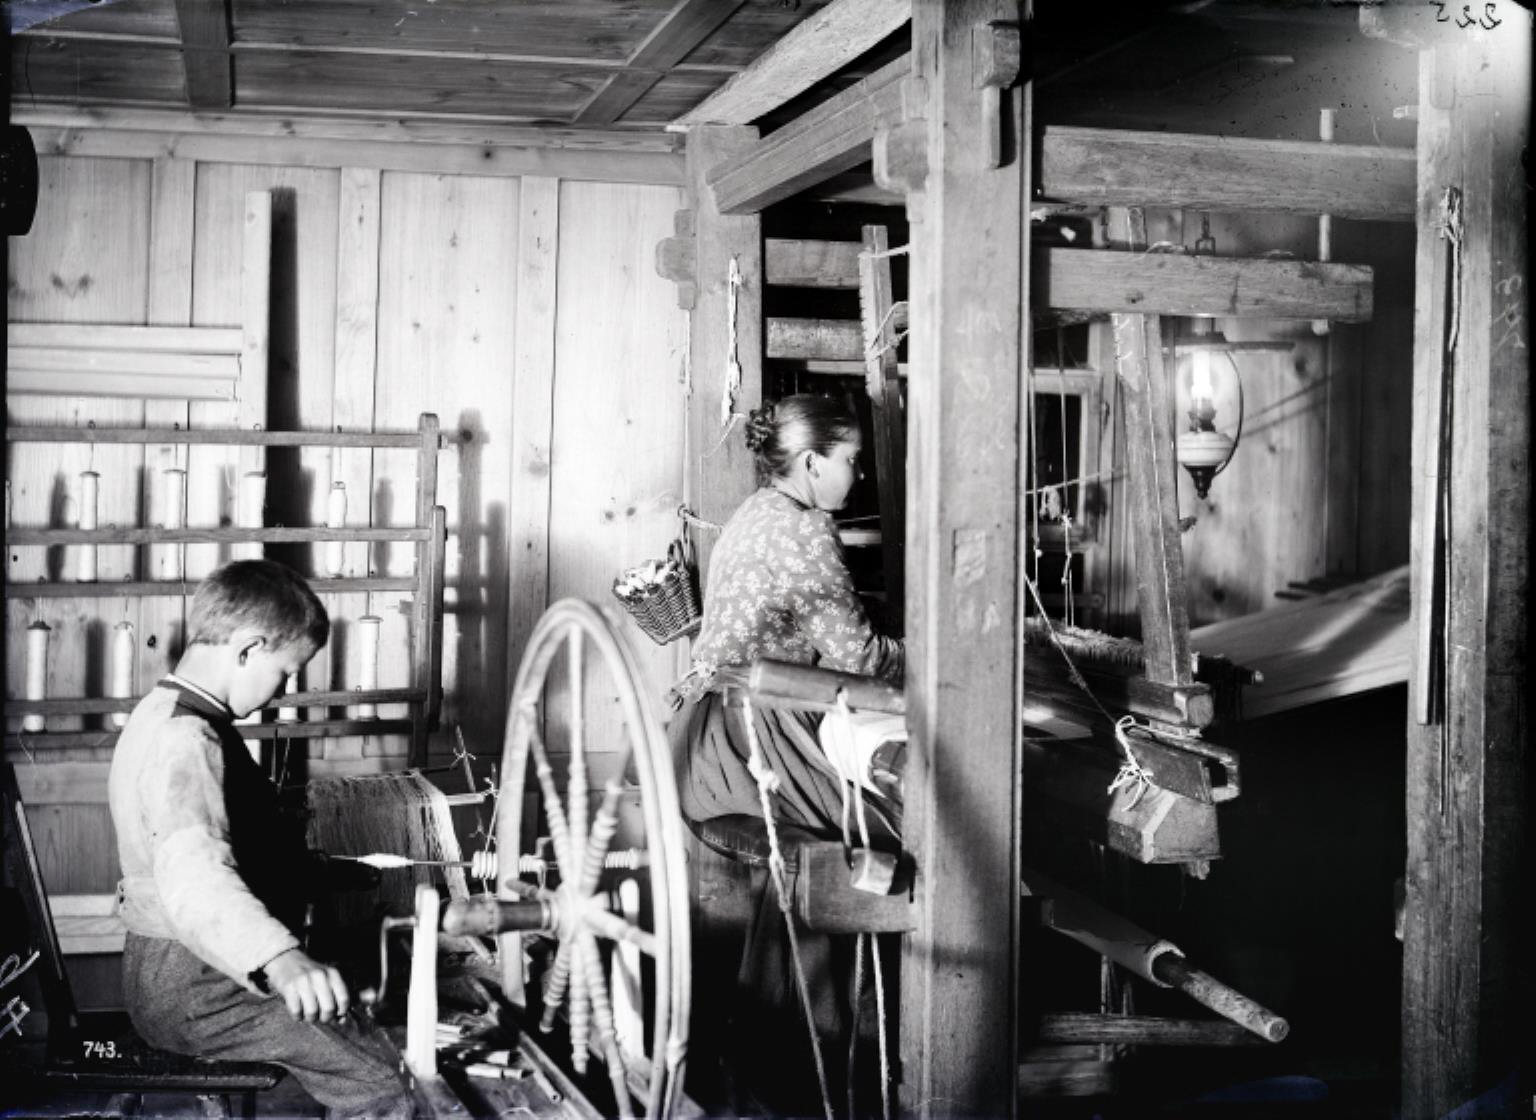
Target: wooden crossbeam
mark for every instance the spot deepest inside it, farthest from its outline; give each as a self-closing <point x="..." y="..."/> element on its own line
<point x="1154" y="284"/>
<point x="687" y="25"/>
<point x="811" y="264"/>
<point x="205" y="53"/>
<point x="1106" y="167"/>
<point x="819" y="46"/>
<point x="831" y="138"/>
<point x="1175" y="284"/>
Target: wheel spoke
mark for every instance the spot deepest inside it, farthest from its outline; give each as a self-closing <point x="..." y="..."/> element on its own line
<point x="591" y="963"/>
<point x="604" y="825"/>
<point x="554" y="989"/>
<point x="577" y="780"/>
<point x="558" y="829"/>
<point x="581" y="1006"/>
<point x="615" y="928"/>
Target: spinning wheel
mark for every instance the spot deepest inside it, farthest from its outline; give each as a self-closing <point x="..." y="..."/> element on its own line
<point x="635" y="900"/>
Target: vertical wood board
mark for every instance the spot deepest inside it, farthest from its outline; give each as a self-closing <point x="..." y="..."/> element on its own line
<point x="618" y="415"/>
<point x="445" y="345"/>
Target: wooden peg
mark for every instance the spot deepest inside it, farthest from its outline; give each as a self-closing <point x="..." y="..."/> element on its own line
<point x="995" y="57"/>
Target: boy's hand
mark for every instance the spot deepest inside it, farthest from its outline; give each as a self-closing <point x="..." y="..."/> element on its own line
<point x="314" y="992"/>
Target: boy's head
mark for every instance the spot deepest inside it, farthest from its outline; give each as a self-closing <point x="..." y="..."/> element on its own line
<point x="263" y="622"/>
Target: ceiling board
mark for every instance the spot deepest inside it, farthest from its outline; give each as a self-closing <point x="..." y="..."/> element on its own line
<point x="121" y="17"/>
<point x="410" y="84"/>
<point x="83" y="70"/>
<point x="564" y="28"/>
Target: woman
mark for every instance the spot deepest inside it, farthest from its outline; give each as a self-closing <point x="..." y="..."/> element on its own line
<point x="778" y="587"/>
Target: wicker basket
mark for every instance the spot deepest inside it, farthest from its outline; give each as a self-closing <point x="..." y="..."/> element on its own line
<point x="663" y="596"/>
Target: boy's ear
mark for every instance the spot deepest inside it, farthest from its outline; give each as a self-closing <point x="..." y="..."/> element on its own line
<point x="247" y="643"/>
<point x="810" y="463"/>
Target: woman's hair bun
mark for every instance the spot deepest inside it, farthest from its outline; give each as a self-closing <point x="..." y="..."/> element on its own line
<point x="762" y="426"/>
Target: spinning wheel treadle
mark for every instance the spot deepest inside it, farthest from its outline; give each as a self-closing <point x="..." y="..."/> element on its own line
<point x="586" y="908"/>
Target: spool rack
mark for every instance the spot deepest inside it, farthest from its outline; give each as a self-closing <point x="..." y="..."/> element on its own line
<point x="428" y="534"/>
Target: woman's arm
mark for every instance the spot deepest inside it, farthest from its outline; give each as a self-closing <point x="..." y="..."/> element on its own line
<point x="828" y="611"/>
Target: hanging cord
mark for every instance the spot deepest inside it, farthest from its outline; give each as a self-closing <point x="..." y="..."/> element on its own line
<point x="732" y="365"/>
<point x="1035" y="489"/>
<point x="767" y="784"/>
<point x="1068" y="610"/>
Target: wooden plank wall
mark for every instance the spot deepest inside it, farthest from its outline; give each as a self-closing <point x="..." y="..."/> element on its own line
<point x="394" y="292"/>
<point x="1311" y="491"/>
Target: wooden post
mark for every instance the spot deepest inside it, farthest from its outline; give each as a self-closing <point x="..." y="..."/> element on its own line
<point x="969" y="259"/>
<point x="1468" y="875"/>
<point x="1153" y="483"/>
<point x="719" y="468"/>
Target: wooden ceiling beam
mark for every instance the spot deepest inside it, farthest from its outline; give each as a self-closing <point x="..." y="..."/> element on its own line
<point x="1107" y="167"/>
<point x="816" y="48"/>
<point x="831" y="138"/>
<point x="205" y="39"/>
<point x="687" y="25"/>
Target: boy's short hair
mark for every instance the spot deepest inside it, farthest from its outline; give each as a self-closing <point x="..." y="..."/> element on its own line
<point x="261" y="595"/>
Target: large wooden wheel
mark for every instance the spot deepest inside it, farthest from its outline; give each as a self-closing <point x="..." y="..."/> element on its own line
<point x="611" y="908"/>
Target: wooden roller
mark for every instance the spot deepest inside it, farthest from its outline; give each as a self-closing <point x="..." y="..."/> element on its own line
<point x="804" y="686"/>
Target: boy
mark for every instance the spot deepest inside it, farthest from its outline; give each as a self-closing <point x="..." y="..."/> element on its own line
<point x="213" y="874"/>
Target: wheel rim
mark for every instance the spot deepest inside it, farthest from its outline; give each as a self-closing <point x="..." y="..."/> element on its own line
<point x="579" y="629"/>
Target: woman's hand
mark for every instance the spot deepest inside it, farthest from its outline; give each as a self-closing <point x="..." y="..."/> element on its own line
<point x="314" y="992"/>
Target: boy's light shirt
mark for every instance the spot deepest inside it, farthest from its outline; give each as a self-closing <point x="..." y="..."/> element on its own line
<point x="166" y="790"/>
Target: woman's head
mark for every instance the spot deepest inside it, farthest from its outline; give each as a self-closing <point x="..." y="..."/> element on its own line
<point x="810" y="441"/>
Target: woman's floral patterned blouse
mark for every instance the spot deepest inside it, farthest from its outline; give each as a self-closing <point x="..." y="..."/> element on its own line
<point x="779" y="587"/>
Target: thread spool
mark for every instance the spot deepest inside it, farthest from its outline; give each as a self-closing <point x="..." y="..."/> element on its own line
<point x="250" y="505"/>
<point x="287" y="713"/>
<point x="173" y="502"/>
<point x="90" y="494"/>
<point x="37" y="673"/>
<point x="122" y="668"/>
<point x="1324" y="221"/>
<point x="336" y="518"/>
<point x="368" y="640"/>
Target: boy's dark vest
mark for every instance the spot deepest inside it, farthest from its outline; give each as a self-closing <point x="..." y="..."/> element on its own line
<point x="268" y="844"/>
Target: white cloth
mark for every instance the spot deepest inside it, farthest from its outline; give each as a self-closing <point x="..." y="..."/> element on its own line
<point x="850" y="739"/>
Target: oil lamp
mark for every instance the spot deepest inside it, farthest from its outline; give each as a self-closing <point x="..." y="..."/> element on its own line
<point x="1202" y="450"/>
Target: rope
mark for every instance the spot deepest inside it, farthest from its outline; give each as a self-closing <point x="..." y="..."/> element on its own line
<point x="732" y="365"/>
<point x="1131" y="771"/>
<point x="874" y="349"/>
<point x="767" y="784"/>
<point x="690" y="518"/>
<point x="850" y="782"/>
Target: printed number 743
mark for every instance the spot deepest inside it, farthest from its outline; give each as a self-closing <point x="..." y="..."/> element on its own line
<point x="100" y="1049"/>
